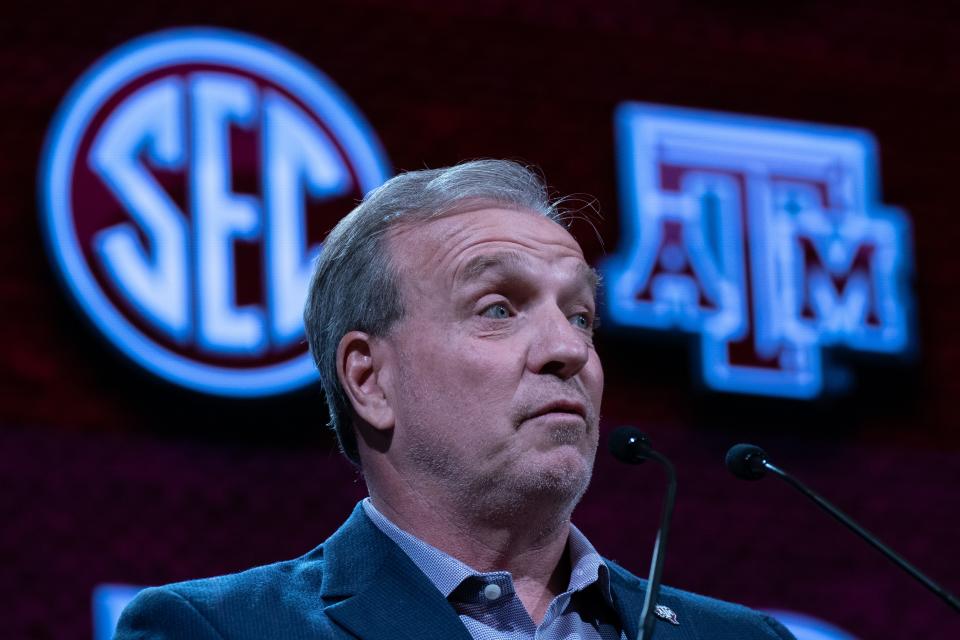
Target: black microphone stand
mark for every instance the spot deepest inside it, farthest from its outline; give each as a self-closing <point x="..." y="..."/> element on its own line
<point x="659" y="549"/>
<point x="631" y="446"/>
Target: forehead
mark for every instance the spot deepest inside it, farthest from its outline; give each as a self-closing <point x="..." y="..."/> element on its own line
<point x="460" y="244"/>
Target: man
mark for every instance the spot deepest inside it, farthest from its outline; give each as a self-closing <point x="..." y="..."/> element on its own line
<point x="451" y="317"/>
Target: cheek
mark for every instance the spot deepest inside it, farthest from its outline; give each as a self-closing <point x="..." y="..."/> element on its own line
<point x="491" y="373"/>
<point x="433" y="380"/>
<point x="451" y="371"/>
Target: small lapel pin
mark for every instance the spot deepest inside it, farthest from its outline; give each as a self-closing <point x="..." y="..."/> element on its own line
<point x="666" y="613"/>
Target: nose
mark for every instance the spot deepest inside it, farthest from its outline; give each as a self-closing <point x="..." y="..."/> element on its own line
<point x="558" y="348"/>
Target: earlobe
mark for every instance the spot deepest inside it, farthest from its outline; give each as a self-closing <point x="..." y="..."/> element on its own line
<point x="359" y="374"/>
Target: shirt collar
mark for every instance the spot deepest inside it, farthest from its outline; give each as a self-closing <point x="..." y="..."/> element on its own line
<point x="447" y="573"/>
<point x="586" y="565"/>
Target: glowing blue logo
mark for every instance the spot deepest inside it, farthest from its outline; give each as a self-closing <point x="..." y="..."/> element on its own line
<point x="186" y="183"/>
<point x="764" y="237"/>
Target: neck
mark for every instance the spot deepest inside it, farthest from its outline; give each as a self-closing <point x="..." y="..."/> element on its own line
<point x="528" y="540"/>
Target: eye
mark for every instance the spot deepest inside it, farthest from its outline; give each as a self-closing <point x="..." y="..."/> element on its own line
<point x="581" y="321"/>
<point x="497" y="311"/>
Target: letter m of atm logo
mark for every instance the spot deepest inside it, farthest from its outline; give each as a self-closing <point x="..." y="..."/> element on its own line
<point x="764" y="237"/>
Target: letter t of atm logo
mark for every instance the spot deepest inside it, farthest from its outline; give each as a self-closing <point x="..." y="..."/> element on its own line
<point x="764" y="237"/>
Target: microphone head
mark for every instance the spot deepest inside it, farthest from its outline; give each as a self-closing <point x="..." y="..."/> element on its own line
<point x="629" y="445"/>
<point x="746" y="461"/>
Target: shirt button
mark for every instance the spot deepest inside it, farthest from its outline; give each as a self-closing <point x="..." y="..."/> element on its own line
<point x="491" y="592"/>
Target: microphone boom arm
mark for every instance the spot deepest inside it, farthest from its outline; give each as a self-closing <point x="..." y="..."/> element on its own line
<point x="841" y="517"/>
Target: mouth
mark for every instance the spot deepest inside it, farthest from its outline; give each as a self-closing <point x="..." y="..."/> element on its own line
<point x="561" y="408"/>
<point x="565" y="422"/>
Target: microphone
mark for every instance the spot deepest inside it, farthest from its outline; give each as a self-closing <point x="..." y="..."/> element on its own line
<point x="749" y="462"/>
<point x="631" y="446"/>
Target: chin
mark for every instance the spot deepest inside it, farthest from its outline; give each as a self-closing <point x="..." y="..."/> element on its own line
<point x="562" y="480"/>
<point x="545" y="486"/>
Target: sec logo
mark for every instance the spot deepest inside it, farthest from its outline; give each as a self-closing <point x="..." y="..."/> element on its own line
<point x="187" y="181"/>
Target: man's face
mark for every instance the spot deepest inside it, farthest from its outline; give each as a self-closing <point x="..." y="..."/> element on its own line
<point x="496" y="385"/>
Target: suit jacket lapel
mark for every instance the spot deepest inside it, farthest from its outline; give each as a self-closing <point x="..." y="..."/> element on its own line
<point x="378" y="592"/>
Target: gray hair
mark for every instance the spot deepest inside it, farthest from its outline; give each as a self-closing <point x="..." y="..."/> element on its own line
<point x="355" y="285"/>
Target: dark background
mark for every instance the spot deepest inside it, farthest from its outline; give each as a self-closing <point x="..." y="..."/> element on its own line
<point x="107" y="475"/>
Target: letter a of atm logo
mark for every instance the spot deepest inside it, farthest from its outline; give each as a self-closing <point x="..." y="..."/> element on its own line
<point x="186" y="184"/>
<point x="764" y="237"/>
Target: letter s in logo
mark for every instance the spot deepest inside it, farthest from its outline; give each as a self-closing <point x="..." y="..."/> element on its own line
<point x="186" y="183"/>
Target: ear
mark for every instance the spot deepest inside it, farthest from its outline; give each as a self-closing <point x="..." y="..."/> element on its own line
<point x="359" y="374"/>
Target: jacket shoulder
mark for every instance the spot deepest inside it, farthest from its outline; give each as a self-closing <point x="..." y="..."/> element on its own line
<point x="158" y="613"/>
<point x="276" y="600"/>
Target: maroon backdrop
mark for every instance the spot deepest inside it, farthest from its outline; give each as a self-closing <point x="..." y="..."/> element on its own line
<point x="107" y="475"/>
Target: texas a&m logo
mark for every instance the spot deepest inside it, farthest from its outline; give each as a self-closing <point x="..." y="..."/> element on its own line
<point x="764" y="237"/>
<point x="186" y="184"/>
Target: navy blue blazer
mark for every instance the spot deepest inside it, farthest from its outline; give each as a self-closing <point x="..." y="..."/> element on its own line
<point x="359" y="583"/>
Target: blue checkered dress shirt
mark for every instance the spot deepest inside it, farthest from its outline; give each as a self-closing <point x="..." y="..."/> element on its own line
<point x="488" y="605"/>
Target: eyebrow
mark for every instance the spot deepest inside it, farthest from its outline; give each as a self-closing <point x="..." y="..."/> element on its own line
<point x="478" y="266"/>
